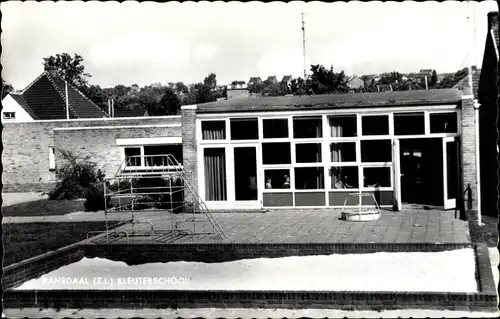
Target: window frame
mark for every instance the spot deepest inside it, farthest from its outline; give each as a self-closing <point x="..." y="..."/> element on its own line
<point x="143" y="158"/>
<point x="5" y="117"/>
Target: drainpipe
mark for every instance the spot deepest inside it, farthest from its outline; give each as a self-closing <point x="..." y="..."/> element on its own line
<point x="67" y="102"/>
<point x="478" y="167"/>
<point x="426" y="84"/>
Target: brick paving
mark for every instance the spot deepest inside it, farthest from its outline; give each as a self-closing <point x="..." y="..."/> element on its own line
<point x="310" y="226"/>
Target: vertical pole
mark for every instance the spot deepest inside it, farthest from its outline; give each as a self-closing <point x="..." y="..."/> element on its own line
<point x="67" y="102"/>
<point x="304" y="44"/>
<point x="106" y="213"/>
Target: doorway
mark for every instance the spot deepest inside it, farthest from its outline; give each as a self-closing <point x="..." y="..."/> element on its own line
<point x="245" y="173"/>
<point x="421" y="163"/>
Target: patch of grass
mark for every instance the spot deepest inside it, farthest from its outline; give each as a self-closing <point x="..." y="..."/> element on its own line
<point x="25" y="240"/>
<point x="490" y="233"/>
<point x="44" y="207"/>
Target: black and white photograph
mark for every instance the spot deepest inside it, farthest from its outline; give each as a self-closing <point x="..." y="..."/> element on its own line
<point x="250" y="159"/>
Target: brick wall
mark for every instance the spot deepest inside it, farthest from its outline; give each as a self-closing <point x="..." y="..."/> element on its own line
<point x="468" y="147"/>
<point x="189" y="147"/>
<point x="25" y="155"/>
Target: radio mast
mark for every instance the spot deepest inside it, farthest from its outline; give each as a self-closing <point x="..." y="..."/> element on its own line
<point x="304" y="44"/>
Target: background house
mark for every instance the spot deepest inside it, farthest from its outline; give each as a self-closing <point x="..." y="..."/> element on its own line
<point x="45" y="99"/>
<point x="355" y="83"/>
<point x="254" y="80"/>
<point x="271" y="79"/>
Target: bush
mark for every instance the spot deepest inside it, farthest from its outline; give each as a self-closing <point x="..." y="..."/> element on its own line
<point x="94" y="199"/>
<point x="75" y="177"/>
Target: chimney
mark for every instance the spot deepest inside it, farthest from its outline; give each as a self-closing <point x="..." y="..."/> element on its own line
<point x="426" y="84"/>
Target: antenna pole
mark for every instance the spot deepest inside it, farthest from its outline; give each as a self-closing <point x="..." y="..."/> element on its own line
<point x="304" y="44"/>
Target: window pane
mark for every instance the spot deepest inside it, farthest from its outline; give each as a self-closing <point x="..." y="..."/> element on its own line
<point x="154" y="154"/>
<point x="276" y="153"/>
<point x="277" y="178"/>
<point x="308" y="153"/>
<point x="376" y="151"/>
<point x="275" y="128"/>
<point x="132" y="156"/>
<point x="213" y="130"/>
<point x="244" y="129"/>
<point x="377" y="177"/>
<point x="409" y="124"/>
<point x="443" y="122"/>
<point x="307" y="127"/>
<point x="215" y="174"/>
<point x="309" y="178"/>
<point x="344" y="177"/>
<point x="375" y="125"/>
<point x="343" y="152"/>
<point x="343" y="126"/>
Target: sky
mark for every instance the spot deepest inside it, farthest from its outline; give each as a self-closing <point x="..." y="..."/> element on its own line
<point x="145" y="43"/>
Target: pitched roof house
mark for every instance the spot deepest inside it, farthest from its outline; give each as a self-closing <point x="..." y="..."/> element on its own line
<point x="45" y="99"/>
<point x="272" y="79"/>
<point x="254" y="80"/>
<point x="286" y="79"/>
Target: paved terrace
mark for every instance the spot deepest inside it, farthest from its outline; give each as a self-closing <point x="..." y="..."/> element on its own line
<point x="309" y="226"/>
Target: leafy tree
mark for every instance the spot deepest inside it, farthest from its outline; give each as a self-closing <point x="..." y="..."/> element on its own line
<point x="170" y="104"/>
<point x="97" y="95"/>
<point x="434" y="78"/>
<point x="210" y="81"/>
<point x="6" y="88"/>
<point x="180" y="87"/>
<point x="452" y="80"/>
<point x="325" y="81"/>
<point x="68" y="67"/>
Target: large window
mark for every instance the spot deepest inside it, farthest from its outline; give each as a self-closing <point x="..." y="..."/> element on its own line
<point x="343" y="125"/>
<point x="376" y="151"/>
<point x="309" y="178"/>
<point x="244" y="129"/>
<point x="409" y="124"/>
<point x="375" y="124"/>
<point x="307" y="127"/>
<point x="276" y="153"/>
<point x="52" y="158"/>
<point x="213" y="130"/>
<point x="214" y="160"/>
<point x="443" y="122"/>
<point x="343" y="152"/>
<point x="275" y="128"/>
<point x="153" y="155"/>
<point x="344" y="177"/>
<point x="308" y="153"/>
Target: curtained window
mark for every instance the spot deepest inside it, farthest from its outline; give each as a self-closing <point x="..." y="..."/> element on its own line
<point x="343" y="152"/>
<point x="215" y="174"/>
<point x="213" y="130"/>
<point x="343" y="126"/>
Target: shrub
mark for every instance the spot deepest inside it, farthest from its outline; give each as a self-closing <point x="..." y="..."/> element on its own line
<point x="94" y="199"/>
<point x="75" y="177"/>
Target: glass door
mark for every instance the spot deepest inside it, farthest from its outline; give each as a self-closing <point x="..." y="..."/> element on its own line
<point x="450" y="172"/>
<point x="246" y="176"/>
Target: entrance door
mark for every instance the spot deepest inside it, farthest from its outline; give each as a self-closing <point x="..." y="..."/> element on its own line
<point x="397" y="174"/>
<point x="450" y="172"/>
<point x="246" y="179"/>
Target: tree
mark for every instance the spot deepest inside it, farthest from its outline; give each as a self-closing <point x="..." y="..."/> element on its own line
<point x="324" y="81"/>
<point x="6" y="88"/>
<point x="434" y="78"/>
<point x="97" y="95"/>
<point x="170" y="104"/>
<point x="210" y="81"/>
<point x="71" y="69"/>
<point x="180" y="87"/>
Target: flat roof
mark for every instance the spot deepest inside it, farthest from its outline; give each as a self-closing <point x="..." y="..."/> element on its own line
<point x="335" y="101"/>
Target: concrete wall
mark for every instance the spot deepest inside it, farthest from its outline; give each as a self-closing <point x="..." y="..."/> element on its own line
<point x="25" y="156"/>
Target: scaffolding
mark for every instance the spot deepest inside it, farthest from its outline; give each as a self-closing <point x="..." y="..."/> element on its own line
<point x="157" y="183"/>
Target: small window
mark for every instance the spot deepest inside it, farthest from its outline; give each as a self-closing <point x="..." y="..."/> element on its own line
<point x="308" y="153"/>
<point x="133" y="156"/>
<point x="244" y="129"/>
<point x="443" y="122"/>
<point x="9" y="115"/>
<point x="343" y="126"/>
<point x="307" y="127"/>
<point x="52" y="158"/>
<point x="277" y="178"/>
<point x="275" y="128"/>
<point x="377" y="177"/>
<point x="343" y="152"/>
<point x="276" y="153"/>
<point x="409" y="124"/>
<point x="155" y="154"/>
<point x="309" y="178"/>
<point x="213" y="130"/>
<point x="344" y="177"/>
<point x="376" y="151"/>
<point x="375" y="125"/>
